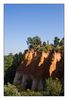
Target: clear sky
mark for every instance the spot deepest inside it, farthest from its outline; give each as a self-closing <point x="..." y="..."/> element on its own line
<point x="27" y="20"/>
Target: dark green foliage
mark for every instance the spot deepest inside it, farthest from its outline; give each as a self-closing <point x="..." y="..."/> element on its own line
<point x="56" y="41"/>
<point x="35" y="42"/>
<point x="53" y="87"/>
<point x="8" y="60"/>
<point x="62" y="42"/>
<point x="11" y="67"/>
<point x="44" y="43"/>
<point x="11" y="90"/>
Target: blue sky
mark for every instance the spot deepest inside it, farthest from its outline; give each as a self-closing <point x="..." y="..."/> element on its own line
<point x="27" y="20"/>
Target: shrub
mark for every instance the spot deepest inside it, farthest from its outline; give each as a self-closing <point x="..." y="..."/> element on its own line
<point x="52" y="87"/>
<point x="29" y="92"/>
<point x="11" y="90"/>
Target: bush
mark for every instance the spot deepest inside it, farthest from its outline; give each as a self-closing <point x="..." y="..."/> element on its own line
<point x="29" y="92"/>
<point x="11" y="90"/>
<point x="52" y="87"/>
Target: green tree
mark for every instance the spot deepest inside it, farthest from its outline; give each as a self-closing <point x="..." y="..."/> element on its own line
<point x="10" y="68"/>
<point x="35" y="42"/>
<point x="8" y="60"/>
<point x="62" y="42"/>
<point x="44" y="43"/>
<point x="56" y="41"/>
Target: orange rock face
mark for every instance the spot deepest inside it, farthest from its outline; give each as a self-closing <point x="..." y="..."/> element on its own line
<point x="42" y="65"/>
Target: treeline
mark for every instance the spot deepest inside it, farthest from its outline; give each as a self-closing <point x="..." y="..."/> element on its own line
<point x="11" y="62"/>
<point x="37" y="44"/>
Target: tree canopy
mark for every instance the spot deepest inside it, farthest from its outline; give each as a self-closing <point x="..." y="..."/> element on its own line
<point x="35" y="42"/>
<point x="56" y="41"/>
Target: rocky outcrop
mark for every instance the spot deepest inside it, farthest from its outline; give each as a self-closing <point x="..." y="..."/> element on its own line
<point x="39" y="66"/>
